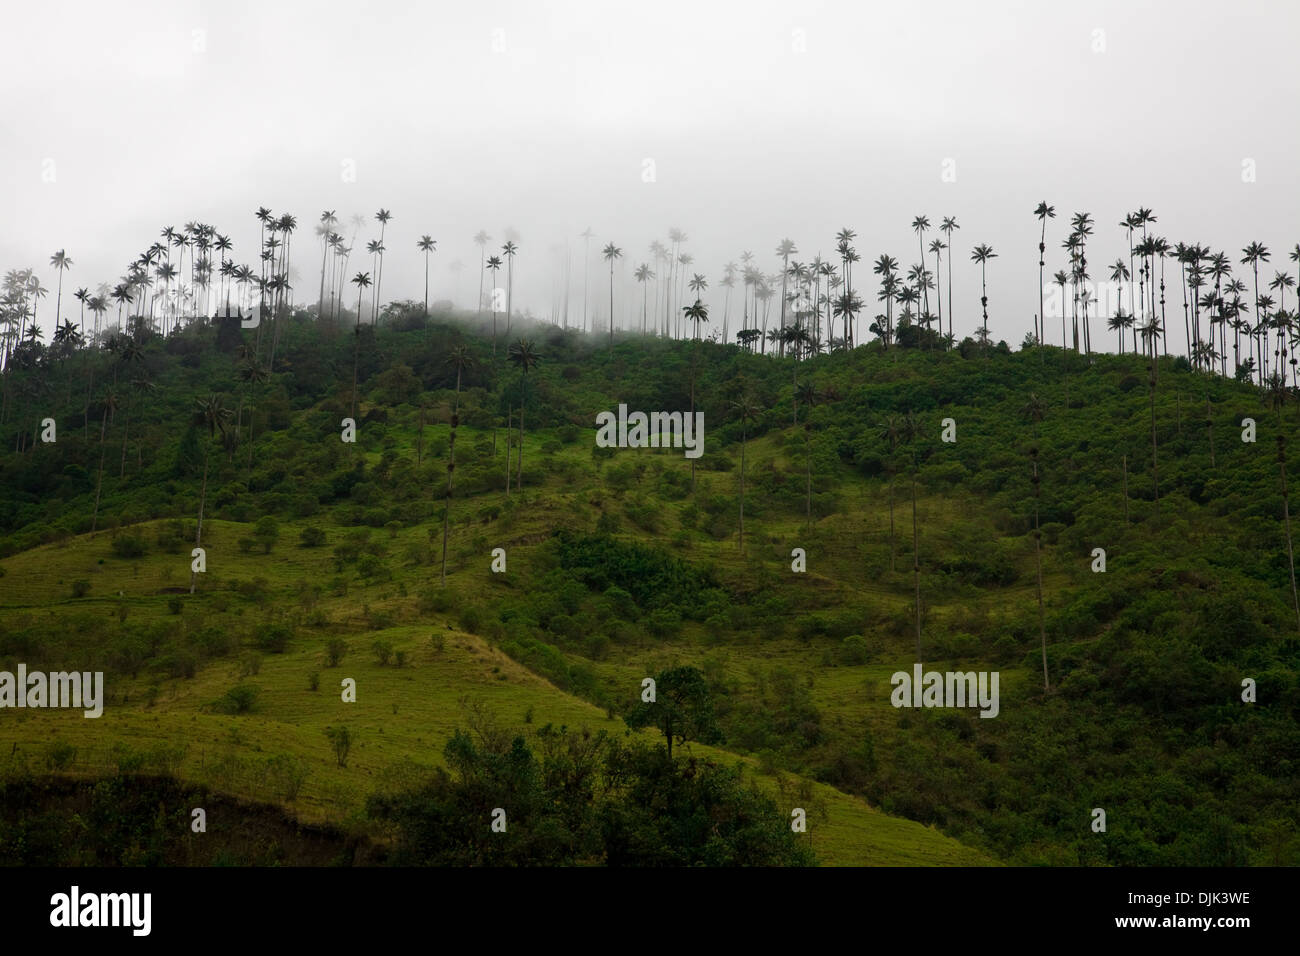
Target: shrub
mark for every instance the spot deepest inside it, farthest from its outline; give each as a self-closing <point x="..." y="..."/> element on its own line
<point x="383" y="652"/>
<point x="266" y="531"/>
<point x="311" y="537"/>
<point x="129" y="544"/>
<point x="183" y="664"/>
<point x="80" y="588"/>
<point x="853" y="650"/>
<point x="334" y="651"/>
<point x="59" y="756"/>
<point x="313" y="680"/>
<point x="399" y="658"/>
<point x="433" y="600"/>
<point x="174" y="604"/>
<point x="286" y="775"/>
<point x="340" y="739"/>
<point x="471" y="619"/>
<point x="240" y="699"/>
<point x="274" y="638"/>
<point x="250" y="664"/>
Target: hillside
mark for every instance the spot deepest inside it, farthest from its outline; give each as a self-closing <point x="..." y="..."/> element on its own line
<point x="622" y="563"/>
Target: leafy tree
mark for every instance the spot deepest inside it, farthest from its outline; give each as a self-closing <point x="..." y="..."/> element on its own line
<point x="682" y="709"/>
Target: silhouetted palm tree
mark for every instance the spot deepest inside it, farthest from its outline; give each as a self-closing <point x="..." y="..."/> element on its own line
<point x="509" y="250"/>
<point x="644" y="275"/>
<point x="62" y="263"/>
<point x="982" y="254"/>
<point x="611" y="253"/>
<point x="428" y="244"/>
<point x="362" y="281"/>
<point x="1044" y="212"/>
<point x="382" y="217"/>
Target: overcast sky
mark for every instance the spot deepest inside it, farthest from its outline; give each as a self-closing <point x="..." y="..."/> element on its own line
<point x="762" y="120"/>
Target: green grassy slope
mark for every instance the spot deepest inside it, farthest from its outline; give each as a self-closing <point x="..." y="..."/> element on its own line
<point x="1143" y="716"/>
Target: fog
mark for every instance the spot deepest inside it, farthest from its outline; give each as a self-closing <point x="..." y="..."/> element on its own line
<point x="739" y="123"/>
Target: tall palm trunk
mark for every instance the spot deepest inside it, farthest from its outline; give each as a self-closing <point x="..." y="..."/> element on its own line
<point x="523" y="395"/>
<point x="892" y="547"/>
<point x="742" y="489"/>
<point x="451" y="469"/>
<point x="1286" y="515"/>
<point x="198" y="531"/>
<point x="916" y="561"/>
<point x="126" y="431"/>
<point x="356" y="355"/>
<point x="509" y="436"/>
<point x="1038" y="560"/>
<point x="99" y="483"/>
<point x="1124" y="466"/>
<point x="1155" y="471"/>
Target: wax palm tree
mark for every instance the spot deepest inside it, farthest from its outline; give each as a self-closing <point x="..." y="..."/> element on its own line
<point x="1120" y="273"/>
<point x="1295" y="257"/>
<point x="62" y="263"/>
<point x="509" y="250"/>
<point x="481" y="239"/>
<point x="1035" y="410"/>
<point x="375" y="248"/>
<point x="494" y="264"/>
<point x="891" y="430"/>
<point x="1044" y="212"/>
<point x="910" y="432"/>
<point x="1160" y="248"/>
<point x="696" y="313"/>
<point x="382" y="217"/>
<point x="982" y="254"/>
<point x="747" y="409"/>
<point x="919" y="225"/>
<point x="683" y="261"/>
<point x="1253" y="255"/>
<point x="462" y="359"/>
<point x="122" y="294"/>
<point x="1082" y="223"/>
<point x="586" y="236"/>
<point x="210" y="414"/>
<point x="524" y="357"/>
<point x="110" y="402"/>
<point x="728" y="283"/>
<point x="947" y="227"/>
<point x="427" y="244"/>
<point x="809" y="396"/>
<point x="611" y="253"/>
<point x="936" y="247"/>
<point x="676" y="237"/>
<point x="362" y="281"/>
<point x="254" y="375"/>
<point x="325" y="230"/>
<point x="785" y="249"/>
<point x="1281" y="282"/>
<point x="644" y="275"/>
<point x="846" y="307"/>
<point x="1129" y="223"/>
